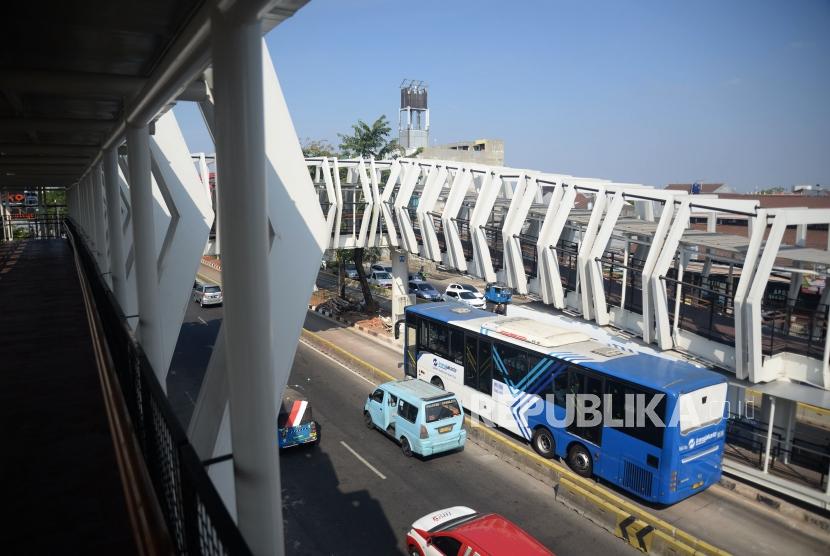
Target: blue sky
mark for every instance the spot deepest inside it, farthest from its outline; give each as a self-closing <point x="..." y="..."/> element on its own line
<point x="647" y="92"/>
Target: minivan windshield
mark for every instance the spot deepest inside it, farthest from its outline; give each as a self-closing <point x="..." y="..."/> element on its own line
<point x="212" y="289"/>
<point x="445" y="409"/>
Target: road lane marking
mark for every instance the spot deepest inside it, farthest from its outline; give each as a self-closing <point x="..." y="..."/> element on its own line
<point x="202" y="321"/>
<point x="333" y="360"/>
<point x="366" y="463"/>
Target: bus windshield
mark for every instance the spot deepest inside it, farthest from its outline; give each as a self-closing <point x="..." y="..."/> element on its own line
<point x="445" y="409"/>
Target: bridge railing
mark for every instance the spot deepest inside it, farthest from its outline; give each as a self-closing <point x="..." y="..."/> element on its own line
<point x="196" y="517"/>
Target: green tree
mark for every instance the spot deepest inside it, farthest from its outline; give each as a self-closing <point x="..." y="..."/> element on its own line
<point x="317" y="148"/>
<point x="369" y="140"/>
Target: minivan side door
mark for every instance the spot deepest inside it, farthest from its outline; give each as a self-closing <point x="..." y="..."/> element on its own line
<point x="376" y="407"/>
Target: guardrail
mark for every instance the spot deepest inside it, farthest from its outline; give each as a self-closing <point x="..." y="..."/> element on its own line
<point x="196" y="517"/>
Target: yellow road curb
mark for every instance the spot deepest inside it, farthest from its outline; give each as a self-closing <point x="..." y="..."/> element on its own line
<point x="640" y="529"/>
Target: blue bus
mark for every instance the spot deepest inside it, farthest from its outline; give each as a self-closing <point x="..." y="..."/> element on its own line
<point x="521" y="375"/>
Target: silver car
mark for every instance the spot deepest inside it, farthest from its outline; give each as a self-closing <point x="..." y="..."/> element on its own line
<point x="207" y="294"/>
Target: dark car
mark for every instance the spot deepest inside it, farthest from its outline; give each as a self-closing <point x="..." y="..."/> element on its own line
<point x="424" y="290"/>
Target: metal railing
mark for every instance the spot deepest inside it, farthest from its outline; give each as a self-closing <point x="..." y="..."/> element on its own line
<point x="196" y="517"/>
<point x="803" y="461"/>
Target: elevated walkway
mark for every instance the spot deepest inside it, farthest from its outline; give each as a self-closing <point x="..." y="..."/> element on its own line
<point x="61" y="478"/>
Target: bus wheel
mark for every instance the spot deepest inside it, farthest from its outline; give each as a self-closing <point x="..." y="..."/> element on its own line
<point x="405" y="447"/>
<point x="368" y="420"/>
<point x="437" y="382"/>
<point x="543" y="443"/>
<point x="580" y="461"/>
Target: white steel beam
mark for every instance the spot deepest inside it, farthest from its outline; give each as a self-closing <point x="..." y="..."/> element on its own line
<point x="116" y="235"/>
<point x="455" y="251"/>
<point x="411" y="171"/>
<point x="240" y="151"/>
<point x="597" y="250"/>
<point x="583" y="258"/>
<point x="661" y="267"/>
<point x="146" y="261"/>
<point x="488" y="193"/>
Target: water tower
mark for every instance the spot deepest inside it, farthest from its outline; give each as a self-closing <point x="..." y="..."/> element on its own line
<point x="413" y="118"/>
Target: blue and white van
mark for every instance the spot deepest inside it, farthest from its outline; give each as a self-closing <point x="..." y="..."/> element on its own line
<point x="423" y="418"/>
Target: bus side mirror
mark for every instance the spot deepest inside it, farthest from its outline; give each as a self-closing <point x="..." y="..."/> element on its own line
<point x="397" y="328"/>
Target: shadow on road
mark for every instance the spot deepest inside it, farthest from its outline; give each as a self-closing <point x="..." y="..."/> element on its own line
<point x="190" y="360"/>
<point x="322" y="518"/>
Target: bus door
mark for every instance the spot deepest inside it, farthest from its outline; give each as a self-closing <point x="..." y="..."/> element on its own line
<point x="410" y="363"/>
<point x="478" y="362"/>
<point x="580" y="383"/>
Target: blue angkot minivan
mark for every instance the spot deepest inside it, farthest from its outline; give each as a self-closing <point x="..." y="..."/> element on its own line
<point x="423" y="418"/>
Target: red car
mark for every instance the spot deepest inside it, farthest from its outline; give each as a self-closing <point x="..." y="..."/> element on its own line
<point x="461" y="531"/>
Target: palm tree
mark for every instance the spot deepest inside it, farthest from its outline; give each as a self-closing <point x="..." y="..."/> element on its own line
<point x="369" y="140"/>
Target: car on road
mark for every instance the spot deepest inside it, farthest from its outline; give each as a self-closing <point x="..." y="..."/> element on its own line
<point x="424" y="290"/>
<point x="377" y="267"/>
<point x="295" y="425"/>
<point x="351" y="271"/>
<point x="458" y="288"/>
<point x="381" y="279"/>
<point x="468" y="298"/>
<point x="417" y="277"/>
<point x="207" y="294"/>
<point x="462" y="531"/>
<point x="422" y="417"/>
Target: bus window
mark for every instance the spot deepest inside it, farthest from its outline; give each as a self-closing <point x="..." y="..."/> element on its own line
<point x="470" y="362"/>
<point x="533" y="359"/>
<point x="515" y="363"/>
<point x="438" y="340"/>
<point x="485" y="367"/>
<point x="457" y="346"/>
<point x="560" y="388"/>
<point x="423" y="335"/>
<point x="623" y="407"/>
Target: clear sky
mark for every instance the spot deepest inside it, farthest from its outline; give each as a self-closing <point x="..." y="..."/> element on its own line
<point x="647" y="91"/>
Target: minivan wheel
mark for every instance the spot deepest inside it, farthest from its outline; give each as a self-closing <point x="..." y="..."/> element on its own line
<point x="368" y="420"/>
<point x="405" y="447"/>
<point x="579" y="459"/>
<point x="437" y="382"/>
<point x="543" y="443"/>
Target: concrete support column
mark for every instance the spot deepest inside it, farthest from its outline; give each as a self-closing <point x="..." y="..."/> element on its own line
<point x="96" y="184"/>
<point x="112" y="188"/>
<point x="144" y="245"/>
<point x="400" y="284"/>
<point x="242" y="203"/>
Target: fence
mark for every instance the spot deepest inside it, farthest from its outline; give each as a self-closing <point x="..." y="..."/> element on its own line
<point x="196" y="517"/>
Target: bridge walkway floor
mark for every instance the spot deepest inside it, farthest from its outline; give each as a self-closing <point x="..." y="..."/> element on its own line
<point x="60" y="477"/>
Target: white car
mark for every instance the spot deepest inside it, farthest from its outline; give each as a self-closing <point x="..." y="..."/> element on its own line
<point x="458" y="288"/>
<point x="466" y="297"/>
<point x="382" y="279"/>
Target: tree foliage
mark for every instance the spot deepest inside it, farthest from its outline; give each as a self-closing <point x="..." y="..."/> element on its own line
<point x="317" y="147"/>
<point x="370" y="140"/>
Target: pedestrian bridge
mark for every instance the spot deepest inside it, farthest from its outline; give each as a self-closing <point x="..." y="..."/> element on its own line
<point x="86" y="109"/>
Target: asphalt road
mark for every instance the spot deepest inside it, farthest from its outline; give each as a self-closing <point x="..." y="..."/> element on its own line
<point x="334" y="503"/>
<point x="330" y="494"/>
